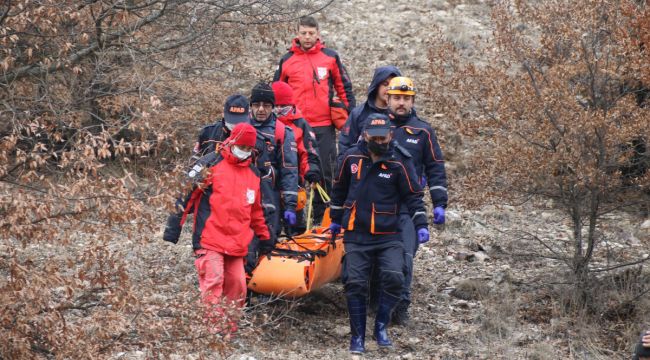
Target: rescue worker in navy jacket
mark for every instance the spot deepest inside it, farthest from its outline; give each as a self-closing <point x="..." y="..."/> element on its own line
<point x="373" y="180"/>
<point x="377" y="102"/>
<point x="277" y="161"/>
<point x="419" y="139"/>
<point x="235" y="111"/>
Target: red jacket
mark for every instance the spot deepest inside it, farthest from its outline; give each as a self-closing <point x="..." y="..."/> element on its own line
<point x="228" y="210"/>
<point x="318" y="79"/>
<point x="308" y="159"/>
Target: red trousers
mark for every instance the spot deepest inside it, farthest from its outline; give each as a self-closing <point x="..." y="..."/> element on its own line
<point x="220" y="276"/>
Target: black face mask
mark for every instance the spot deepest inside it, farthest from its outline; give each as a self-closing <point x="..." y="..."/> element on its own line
<point x="377" y="148"/>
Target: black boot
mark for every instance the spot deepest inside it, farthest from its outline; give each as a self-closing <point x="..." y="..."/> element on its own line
<point x="400" y="315"/>
<point x="386" y="305"/>
<point x="357" y="310"/>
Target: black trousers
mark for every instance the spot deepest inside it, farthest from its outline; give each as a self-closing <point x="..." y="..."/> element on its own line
<point x="359" y="259"/>
<point x="411" y="245"/>
<point x="326" y="138"/>
<point x="271" y="206"/>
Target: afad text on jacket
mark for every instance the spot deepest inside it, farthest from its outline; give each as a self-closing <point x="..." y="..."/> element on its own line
<point x="367" y="196"/>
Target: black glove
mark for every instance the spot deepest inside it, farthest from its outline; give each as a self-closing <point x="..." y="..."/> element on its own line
<point x="266" y="246"/>
<point x="313" y="176"/>
<point x="173" y="228"/>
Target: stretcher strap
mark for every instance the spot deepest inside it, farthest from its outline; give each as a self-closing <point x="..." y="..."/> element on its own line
<point x="308" y="255"/>
<point x="323" y="195"/>
<point x="309" y="208"/>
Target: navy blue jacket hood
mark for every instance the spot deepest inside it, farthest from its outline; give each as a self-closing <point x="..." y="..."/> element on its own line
<point x="353" y="126"/>
<point x="381" y="73"/>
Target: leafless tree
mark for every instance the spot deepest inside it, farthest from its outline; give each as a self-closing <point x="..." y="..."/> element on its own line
<point x="92" y="97"/>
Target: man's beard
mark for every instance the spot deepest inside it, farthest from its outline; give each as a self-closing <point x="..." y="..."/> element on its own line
<point x="400" y="118"/>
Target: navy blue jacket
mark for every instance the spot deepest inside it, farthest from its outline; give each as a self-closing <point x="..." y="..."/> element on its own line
<point x="417" y="136"/>
<point x="278" y="160"/>
<point x="277" y="164"/>
<point x="356" y="120"/>
<point x="367" y="196"/>
<point x="209" y="137"/>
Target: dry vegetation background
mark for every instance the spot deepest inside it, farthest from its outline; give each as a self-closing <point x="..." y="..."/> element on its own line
<point x="542" y="118"/>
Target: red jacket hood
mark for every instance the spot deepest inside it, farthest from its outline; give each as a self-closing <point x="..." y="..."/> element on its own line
<point x="296" y="49"/>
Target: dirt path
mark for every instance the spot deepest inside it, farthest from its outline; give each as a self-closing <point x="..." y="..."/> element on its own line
<point x="368" y="34"/>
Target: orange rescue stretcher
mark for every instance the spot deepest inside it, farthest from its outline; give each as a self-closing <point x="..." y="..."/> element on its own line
<point x="302" y="263"/>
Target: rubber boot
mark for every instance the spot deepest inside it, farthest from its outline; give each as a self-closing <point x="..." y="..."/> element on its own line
<point x="386" y="305"/>
<point x="400" y="315"/>
<point x="357" y="310"/>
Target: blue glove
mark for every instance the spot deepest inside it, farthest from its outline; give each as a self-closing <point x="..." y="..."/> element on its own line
<point x="335" y="228"/>
<point x="290" y="217"/>
<point x="439" y="215"/>
<point x="423" y="235"/>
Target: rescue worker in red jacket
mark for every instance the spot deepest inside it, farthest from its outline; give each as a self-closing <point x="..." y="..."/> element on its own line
<point x="308" y="160"/>
<point x="374" y="180"/>
<point x="322" y="91"/>
<point x="227" y="214"/>
<point x="206" y="152"/>
<point x="287" y="112"/>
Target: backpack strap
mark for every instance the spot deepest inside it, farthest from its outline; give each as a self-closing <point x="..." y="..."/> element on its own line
<point x="280" y="130"/>
<point x="403" y="151"/>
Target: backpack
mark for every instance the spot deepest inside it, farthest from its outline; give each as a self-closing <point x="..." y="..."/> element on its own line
<point x="280" y="130"/>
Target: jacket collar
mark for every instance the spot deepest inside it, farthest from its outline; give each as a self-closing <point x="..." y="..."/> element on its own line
<point x="270" y="121"/>
<point x="296" y="49"/>
<point x="371" y="105"/>
<point x="403" y="121"/>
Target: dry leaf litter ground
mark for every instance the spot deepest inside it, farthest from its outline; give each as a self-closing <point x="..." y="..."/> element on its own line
<point x="472" y="297"/>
